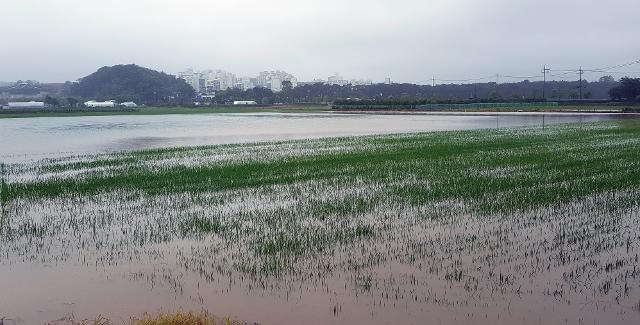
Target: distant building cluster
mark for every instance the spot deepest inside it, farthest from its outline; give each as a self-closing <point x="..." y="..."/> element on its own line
<point x="28" y="89"/>
<point x="337" y="79"/>
<point x="273" y="80"/>
<point x="207" y="82"/>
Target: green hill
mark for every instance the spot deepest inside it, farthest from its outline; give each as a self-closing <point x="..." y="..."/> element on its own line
<point x="133" y="83"/>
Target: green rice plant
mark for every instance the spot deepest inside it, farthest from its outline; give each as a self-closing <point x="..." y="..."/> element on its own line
<point x="201" y="225"/>
<point x="4" y="188"/>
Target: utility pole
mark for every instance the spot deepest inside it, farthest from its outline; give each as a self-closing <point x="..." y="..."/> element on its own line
<point x="433" y="86"/>
<point x="544" y="81"/>
<point x="581" y="71"/>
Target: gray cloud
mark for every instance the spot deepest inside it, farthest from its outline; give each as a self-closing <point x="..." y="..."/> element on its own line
<point x="57" y="40"/>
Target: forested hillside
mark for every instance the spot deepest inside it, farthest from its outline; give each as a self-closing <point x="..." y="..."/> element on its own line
<point x="133" y="83"/>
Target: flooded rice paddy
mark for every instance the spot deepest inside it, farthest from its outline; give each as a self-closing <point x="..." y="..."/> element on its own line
<point x="47" y="137"/>
<point x="527" y="226"/>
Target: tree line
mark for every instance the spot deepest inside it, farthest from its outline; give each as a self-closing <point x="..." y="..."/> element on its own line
<point x="525" y="91"/>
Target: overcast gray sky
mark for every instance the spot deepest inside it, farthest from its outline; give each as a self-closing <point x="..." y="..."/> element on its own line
<point x="407" y="40"/>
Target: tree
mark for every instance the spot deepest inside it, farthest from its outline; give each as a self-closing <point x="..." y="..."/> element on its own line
<point x="258" y="93"/>
<point x="287" y="85"/>
<point x="607" y="79"/>
<point x="51" y="101"/>
<point x="72" y="101"/>
<point x="266" y="101"/>
<point x="285" y="96"/>
<point x="616" y="93"/>
<point x="628" y="89"/>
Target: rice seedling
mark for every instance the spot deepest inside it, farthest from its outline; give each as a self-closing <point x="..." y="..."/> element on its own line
<point x="4" y="189"/>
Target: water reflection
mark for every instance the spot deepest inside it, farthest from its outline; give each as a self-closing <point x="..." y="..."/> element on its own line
<point x="49" y="137"/>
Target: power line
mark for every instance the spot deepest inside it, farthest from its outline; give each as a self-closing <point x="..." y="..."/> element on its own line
<point x="615" y="72"/>
<point x="564" y="70"/>
<point x="521" y="77"/>
<point x="563" y="74"/>
<point x="618" y="66"/>
<point x="465" y="80"/>
<point x="547" y="72"/>
<point x="568" y="71"/>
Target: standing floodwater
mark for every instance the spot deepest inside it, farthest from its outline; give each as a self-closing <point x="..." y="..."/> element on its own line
<point x="46" y="137"/>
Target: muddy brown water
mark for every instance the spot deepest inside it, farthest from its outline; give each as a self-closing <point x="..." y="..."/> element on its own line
<point x="78" y="272"/>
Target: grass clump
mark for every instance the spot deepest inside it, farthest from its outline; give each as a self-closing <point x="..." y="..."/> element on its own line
<point x="281" y="245"/>
<point x="163" y="318"/>
<point x="4" y="188"/>
<point x="200" y="225"/>
<point x="180" y="318"/>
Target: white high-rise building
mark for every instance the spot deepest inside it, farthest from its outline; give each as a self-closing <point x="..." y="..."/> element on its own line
<point x="208" y="81"/>
<point x="246" y="83"/>
<point x="275" y="84"/>
<point x="192" y="78"/>
<point x="227" y="79"/>
<point x="360" y="82"/>
<point x="337" y="80"/>
<point x="274" y="79"/>
<point x="212" y="85"/>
